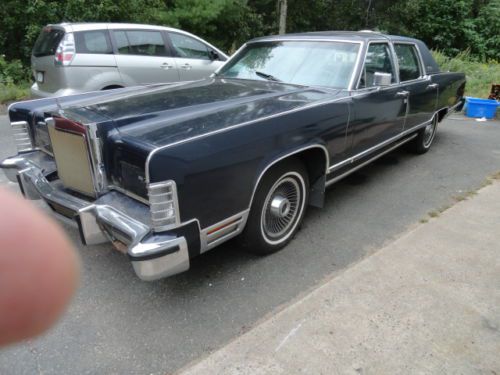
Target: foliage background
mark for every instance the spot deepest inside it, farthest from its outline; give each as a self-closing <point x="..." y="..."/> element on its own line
<point x="450" y="26"/>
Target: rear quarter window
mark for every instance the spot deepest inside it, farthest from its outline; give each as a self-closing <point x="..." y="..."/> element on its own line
<point x="408" y="61"/>
<point x="47" y="42"/>
<point x="95" y="42"/>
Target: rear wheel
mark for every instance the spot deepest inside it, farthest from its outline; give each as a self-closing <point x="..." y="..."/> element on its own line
<point x="425" y="136"/>
<point x="278" y="208"/>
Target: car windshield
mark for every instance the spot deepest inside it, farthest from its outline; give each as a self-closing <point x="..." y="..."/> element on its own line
<point x="308" y="63"/>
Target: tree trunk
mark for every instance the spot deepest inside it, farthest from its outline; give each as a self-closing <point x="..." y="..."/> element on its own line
<point x="282" y="6"/>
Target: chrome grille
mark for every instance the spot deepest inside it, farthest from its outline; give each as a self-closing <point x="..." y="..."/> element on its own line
<point x="163" y="205"/>
<point x="21" y="135"/>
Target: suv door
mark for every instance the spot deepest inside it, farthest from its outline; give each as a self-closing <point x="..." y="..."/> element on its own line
<point x="195" y="59"/>
<point x="143" y="57"/>
<point x="379" y="112"/>
<point x="422" y="92"/>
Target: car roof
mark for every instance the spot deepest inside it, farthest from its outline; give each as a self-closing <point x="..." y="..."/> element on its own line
<point x="84" y="26"/>
<point x="356" y="36"/>
<point x="87" y="26"/>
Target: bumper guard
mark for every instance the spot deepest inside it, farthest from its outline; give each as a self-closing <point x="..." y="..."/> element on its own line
<point x="112" y="217"/>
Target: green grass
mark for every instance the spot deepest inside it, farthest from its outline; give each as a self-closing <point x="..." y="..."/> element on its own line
<point x="11" y="92"/>
<point x="480" y="75"/>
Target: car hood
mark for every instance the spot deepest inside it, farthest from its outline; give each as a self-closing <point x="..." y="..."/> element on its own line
<point x="163" y="114"/>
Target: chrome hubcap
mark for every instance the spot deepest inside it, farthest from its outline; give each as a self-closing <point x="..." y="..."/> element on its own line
<point x="429" y="132"/>
<point x="281" y="208"/>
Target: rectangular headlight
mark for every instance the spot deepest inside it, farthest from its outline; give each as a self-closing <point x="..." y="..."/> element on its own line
<point x="163" y="205"/>
<point x="21" y="135"/>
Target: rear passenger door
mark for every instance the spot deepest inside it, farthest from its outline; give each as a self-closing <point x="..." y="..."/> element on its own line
<point x="195" y="59"/>
<point x="143" y="57"/>
<point x="422" y="92"/>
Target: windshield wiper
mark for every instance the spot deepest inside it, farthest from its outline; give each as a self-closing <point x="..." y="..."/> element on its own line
<point x="267" y="76"/>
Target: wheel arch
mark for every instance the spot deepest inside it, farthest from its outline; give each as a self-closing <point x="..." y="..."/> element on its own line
<point x="112" y="87"/>
<point x="441" y="113"/>
<point x="316" y="171"/>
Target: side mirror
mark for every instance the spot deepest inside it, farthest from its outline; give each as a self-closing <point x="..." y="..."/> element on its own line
<point x="382" y="79"/>
<point x="213" y="55"/>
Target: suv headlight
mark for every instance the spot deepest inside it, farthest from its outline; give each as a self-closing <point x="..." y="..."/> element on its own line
<point x="164" y="206"/>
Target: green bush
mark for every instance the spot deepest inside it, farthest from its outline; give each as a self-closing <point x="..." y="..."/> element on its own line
<point x="480" y="75"/>
<point x="13" y="72"/>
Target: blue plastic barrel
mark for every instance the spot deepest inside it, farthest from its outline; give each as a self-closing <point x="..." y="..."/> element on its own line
<point x="481" y="107"/>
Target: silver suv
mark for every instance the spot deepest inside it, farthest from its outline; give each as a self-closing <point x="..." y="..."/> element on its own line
<point x="71" y="58"/>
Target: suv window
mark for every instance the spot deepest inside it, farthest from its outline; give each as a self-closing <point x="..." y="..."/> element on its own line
<point x="47" y="42"/>
<point x="140" y="42"/>
<point x="188" y="47"/>
<point x="409" y="67"/>
<point x="96" y="41"/>
<point x="378" y="59"/>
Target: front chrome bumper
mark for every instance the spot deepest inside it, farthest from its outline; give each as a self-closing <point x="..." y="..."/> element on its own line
<point x="113" y="217"/>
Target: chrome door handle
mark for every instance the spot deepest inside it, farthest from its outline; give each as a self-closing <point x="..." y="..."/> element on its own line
<point x="186" y="66"/>
<point x="432" y="86"/>
<point x="402" y="94"/>
<point x="166" y="65"/>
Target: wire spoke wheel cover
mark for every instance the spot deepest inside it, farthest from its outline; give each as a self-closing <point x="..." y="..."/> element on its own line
<point x="282" y="208"/>
<point x="430" y="132"/>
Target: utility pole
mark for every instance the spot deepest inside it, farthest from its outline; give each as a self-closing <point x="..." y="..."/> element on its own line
<point x="282" y="8"/>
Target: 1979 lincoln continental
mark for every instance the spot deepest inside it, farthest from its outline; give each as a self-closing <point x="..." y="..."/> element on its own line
<point x="167" y="172"/>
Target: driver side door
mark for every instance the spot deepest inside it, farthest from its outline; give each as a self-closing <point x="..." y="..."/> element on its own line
<point x="379" y="111"/>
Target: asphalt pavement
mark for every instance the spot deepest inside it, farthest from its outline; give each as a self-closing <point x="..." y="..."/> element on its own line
<point x="427" y="303"/>
<point x="119" y="324"/>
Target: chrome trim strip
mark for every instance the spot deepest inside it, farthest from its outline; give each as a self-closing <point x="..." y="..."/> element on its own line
<point x="337" y="178"/>
<point x="372" y="149"/>
<point x="356" y="67"/>
<point x="95" y="156"/>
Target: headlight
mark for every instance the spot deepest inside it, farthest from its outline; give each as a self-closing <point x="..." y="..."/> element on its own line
<point x="163" y="205"/>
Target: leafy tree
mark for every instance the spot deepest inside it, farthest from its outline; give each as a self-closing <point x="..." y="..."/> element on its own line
<point x="448" y="25"/>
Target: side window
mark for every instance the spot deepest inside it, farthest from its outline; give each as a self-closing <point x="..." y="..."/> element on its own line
<point x="187" y="47"/>
<point x="140" y="42"/>
<point x="409" y="67"/>
<point x="96" y="41"/>
<point x="378" y="60"/>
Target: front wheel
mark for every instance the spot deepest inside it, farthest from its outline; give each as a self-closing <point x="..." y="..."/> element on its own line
<point x="278" y="208"/>
<point x="422" y="143"/>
